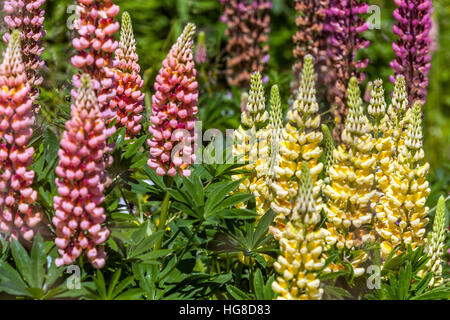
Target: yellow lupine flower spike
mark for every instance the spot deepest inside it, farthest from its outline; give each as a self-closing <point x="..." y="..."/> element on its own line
<point x="401" y="214"/>
<point x="435" y="245"/>
<point x="301" y="246"/>
<point x="352" y="180"/>
<point x="300" y="141"/>
<point x="246" y="144"/>
<point x="268" y="139"/>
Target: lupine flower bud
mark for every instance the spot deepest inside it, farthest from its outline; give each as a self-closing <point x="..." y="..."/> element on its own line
<point x="377" y="105"/>
<point x="27" y="16"/>
<point x="95" y="47"/>
<point x="412" y="49"/>
<point x="352" y="181"/>
<point x="79" y="215"/>
<point x="129" y="97"/>
<point x="268" y="145"/>
<point x="329" y="148"/>
<point x="300" y="142"/>
<point x="248" y="27"/>
<point x="344" y="24"/>
<point x="301" y="246"/>
<point x="435" y="245"/>
<point x="310" y="38"/>
<point x="401" y="214"/>
<point x="18" y="212"/>
<point x="201" y="52"/>
<point x="174" y="106"/>
<point x="251" y="138"/>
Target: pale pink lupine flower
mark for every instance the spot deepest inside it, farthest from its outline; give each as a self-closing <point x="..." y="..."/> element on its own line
<point x="95" y="44"/>
<point x="81" y="177"/>
<point x="174" y="106"/>
<point x="129" y="96"/>
<point x="18" y="213"/>
<point x="27" y="16"/>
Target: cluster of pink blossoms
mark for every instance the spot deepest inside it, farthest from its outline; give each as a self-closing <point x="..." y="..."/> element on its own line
<point x="174" y="106"/>
<point x="27" y="16"/>
<point x="95" y="43"/>
<point x="81" y="170"/>
<point x="18" y="215"/>
<point x="129" y="97"/>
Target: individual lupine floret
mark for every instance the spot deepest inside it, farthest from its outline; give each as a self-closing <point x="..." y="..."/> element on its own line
<point x="248" y="27"/>
<point x="78" y="212"/>
<point x="344" y="25"/>
<point x="129" y="98"/>
<point x="435" y="245"/>
<point x="401" y="217"/>
<point x="27" y="16"/>
<point x="301" y="246"/>
<point x="300" y="142"/>
<point x="174" y="106"/>
<point x="413" y="47"/>
<point x="95" y="45"/>
<point x="352" y="184"/>
<point x="247" y="146"/>
<point x="18" y="212"/>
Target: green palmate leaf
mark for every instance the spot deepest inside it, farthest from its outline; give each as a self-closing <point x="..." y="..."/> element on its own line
<point x="258" y="284"/>
<point x="221" y="192"/>
<point x="145" y="245"/>
<point x="11" y="281"/>
<point x="38" y="258"/>
<point x="114" y="280"/>
<point x="150" y="258"/>
<point x="337" y="293"/>
<point x="180" y="196"/>
<point x="263" y="226"/>
<point x="422" y="285"/>
<point x="22" y="261"/>
<point x="268" y="292"/>
<point x="132" y="294"/>
<point x="237" y="293"/>
<point x="231" y="201"/>
<point x="434" y="294"/>
<point x="133" y="148"/>
<point x="100" y="285"/>
<point x="122" y="286"/>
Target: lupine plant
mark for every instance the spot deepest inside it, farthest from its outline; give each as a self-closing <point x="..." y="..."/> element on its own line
<point x="129" y="192"/>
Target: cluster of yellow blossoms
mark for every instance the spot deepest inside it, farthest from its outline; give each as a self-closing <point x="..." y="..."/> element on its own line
<point x="373" y="186"/>
<point x="301" y="246"/>
<point x="400" y="211"/>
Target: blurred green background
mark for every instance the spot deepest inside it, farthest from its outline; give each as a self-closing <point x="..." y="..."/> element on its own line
<point x="157" y="23"/>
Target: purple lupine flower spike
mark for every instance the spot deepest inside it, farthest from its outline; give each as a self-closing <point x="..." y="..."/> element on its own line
<point x="412" y="49"/>
<point x="344" y="25"/>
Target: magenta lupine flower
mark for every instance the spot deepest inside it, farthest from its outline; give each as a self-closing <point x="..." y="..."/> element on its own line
<point x="27" y="16"/>
<point x="344" y="26"/>
<point x="412" y="49"/>
<point x="18" y="213"/>
<point x="78" y="213"/>
<point x="174" y="106"/>
<point x="95" y="44"/>
<point x="129" y="97"/>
